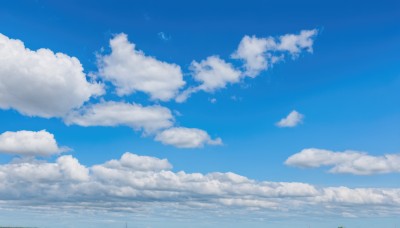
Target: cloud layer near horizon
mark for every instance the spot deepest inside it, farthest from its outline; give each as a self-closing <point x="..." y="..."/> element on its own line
<point x="133" y="182"/>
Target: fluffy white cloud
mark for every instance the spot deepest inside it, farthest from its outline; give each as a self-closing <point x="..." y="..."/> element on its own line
<point x="71" y="169"/>
<point x="138" y="117"/>
<point x="66" y="169"/>
<point x="353" y="162"/>
<point x="212" y="73"/>
<point x="41" y="83"/>
<point x="144" y="184"/>
<point x="252" y="51"/>
<point x="293" y="119"/>
<point x="131" y="70"/>
<point x="131" y="161"/>
<point x="182" y="137"/>
<point x="259" y="54"/>
<point x="29" y="143"/>
<point x="296" y="43"/>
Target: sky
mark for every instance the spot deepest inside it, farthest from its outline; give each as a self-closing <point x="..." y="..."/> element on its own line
<point x="200" y="114"/>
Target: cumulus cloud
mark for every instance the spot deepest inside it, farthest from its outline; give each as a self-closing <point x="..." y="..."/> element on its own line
<point x="70" y="169"/>
<point x="252" y="51"/>
<point x="182" y="137"/>
<point x="259" y="54"/>
<point x="296" y="43"/>
<point x="293" y="119"/>
<point x="136" y="116"/>
<point x="352" y="162"/>
<point x="131" y="161"/>
<point x="66" y="169"/>
<point x="130" y="70"/>
<point x="212" y="73"/>
<point x="143" y="184"/>
<point x="41" y="83"/>
<point x="29" y="143"/>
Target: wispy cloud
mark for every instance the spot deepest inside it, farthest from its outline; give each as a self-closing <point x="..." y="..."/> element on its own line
<point x="163" y="36"/>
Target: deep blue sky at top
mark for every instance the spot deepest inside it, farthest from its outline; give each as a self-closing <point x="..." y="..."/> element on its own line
<point x="348" y="89"/>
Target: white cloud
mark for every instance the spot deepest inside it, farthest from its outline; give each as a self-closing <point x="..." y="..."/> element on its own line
<point x="252" y="51"/>
<point x="144" y="184"/>
<point x="136" y="116"/>
<point x="259" y="54"/>
<point x="72" y="169"/>
<point x="130" y="70"/>
<point x="212" y="73"/>
<point x="41" y="174"/>
<point x="296" y="43"/>
<point x="182" y="137"/>
<point x="131" y="161"/>
<point x="29" y="143"/>
<point x="153" y="120"/>
<point x="293" y="119"/>
<point x="353" y="162"/>
<point x="41" y="83"/>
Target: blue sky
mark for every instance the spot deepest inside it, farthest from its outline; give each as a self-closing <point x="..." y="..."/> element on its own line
<point x="292" y="113"/>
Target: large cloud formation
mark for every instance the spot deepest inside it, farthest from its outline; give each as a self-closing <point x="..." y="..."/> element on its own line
<point x="133" y="182"/>
<point x="54" y="84"/>
<point x="41" y="83"/>
<point x="353" y="162"/>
